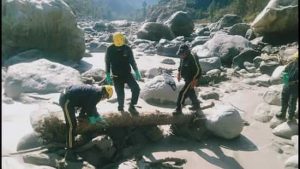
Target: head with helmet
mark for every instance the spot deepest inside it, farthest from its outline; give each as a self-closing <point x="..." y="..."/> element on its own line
<point x="183" y="51"/>
<point x="118" y="39"/>
<point x="108" y="89"/>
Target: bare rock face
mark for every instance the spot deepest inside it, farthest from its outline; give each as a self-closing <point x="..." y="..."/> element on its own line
<point x="40" y="76"/>
<point x="277" y="17"/>
<point x="154" y="31"/>
<point x="225" y="122"/>
<point x="45" y="25"/>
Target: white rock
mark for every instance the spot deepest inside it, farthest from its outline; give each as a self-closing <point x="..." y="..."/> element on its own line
<point x="40" y="76"/>
<point x="151" y="73"/>
<point x="286" y="129"/>
<point x="264" y="112"/>
<point x="225" y="122"/>
<point x="295" y="140"/>
<point x="273" y="95"/>
<point x="276" y="75"/>
<point x="292" y="162"/>
<point x="276" y="122"/>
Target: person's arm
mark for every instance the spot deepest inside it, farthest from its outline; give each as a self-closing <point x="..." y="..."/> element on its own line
<point x="197" y="68"/>
<point x="131" y="59"/>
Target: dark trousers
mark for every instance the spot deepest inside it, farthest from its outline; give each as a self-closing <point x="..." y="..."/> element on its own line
<point x="119" y="83"/>
<point x="185" y="92"/>
<point x="70" y="118"/>
<point x="289" y="98"/>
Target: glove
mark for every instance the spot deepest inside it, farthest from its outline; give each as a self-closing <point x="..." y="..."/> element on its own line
<point x="108" y="79"/>
<point x="285" y="78"/>
<point x="138" y="75"/>
<point x="178" y="76"/>
<point x="94" y="119"/>
<point x="194" y="83"/>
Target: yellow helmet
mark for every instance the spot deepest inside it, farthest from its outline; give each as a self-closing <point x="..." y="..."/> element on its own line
<point x="109" y="90"/>
<point x="118" y="39"/>
<point x="295" y="56"/>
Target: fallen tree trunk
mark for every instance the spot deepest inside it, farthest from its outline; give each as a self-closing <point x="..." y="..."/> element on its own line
<point x="112" y="120"/>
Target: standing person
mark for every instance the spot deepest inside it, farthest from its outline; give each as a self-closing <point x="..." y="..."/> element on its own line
<point x="290" y="89"/>
<point x="119" y="60"/>
<point x="85" y="97"/>
<point x="190" y="70"/>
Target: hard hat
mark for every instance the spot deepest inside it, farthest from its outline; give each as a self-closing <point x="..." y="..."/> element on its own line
<point x="296" y="55"/>
<point x="109" y="90"/>
<point x="118" y="39"/>
<point x="183" y="48"/>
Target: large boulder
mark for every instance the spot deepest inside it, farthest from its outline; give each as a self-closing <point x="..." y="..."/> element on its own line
<point x="225" y="122"/>
<point x="46" y="25"/>
<point x="239" y="29"/>
<point x="268" y="67"/>
<point x="40" y="76"/>
<point x="161" y="90"/>
<point x="167" y="48"/>
<point x="181" y="24"/>
<point x="224" y="46"/>
<point x="199" y="40"/>
<point x="246" y="56"/>
<point x="276" y="75"/>
<point x="273" y="95"/>
<point x="286" y="129"/>
<point x="292" y="162"/>
<point x="226" y="21"/>
<point x="211" y="63"/>
<point x="155" y="31"/>
<point x="279" y="16"/>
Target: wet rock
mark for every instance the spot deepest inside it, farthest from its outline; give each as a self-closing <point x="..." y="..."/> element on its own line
<point x="286" y="129"/>
<point x="273" y="95"/>
<point x="276" y="122"/>
<point x="29" y="141"/>
<point x="41" y="76"/>
<point x="181" y="24"/>
<point x="224" y="46"/>
<point x="276" y="75"/>
<point x="292" y="162"/>
<point x="227" y="21"/>
<point x="225" y="122"/>
<point x="45" y="25"/>
<point x="154" y="31"/>
<point x="168" y="61"/>
<point x="239" y="29"/>
<point x="265" y="112"/>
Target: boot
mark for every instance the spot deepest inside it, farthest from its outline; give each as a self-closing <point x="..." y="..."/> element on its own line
<point x="280" y="115"/>
<point x="72" y="156"/>
<point x="132" y="110"/>
<point x="177" y="111"/>
<point x="291" y="117"/>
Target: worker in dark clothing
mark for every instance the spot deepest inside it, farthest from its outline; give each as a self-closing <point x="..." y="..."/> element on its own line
<point x="119" y="60"/>
<point x="85" y="97"/>
<point x="290" y="89"/>
<point x="190" y="70"/>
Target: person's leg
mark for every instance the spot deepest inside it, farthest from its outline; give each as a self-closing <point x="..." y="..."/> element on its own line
<point x="119" y="87"/>
<point x="285" y="94"/>
<point x="195" y="102"/>
<point x="181" y="97"/>
<point x="135" y="90"/>
<point x="292" y="101"/>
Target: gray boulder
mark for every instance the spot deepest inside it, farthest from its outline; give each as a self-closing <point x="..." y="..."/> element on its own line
<point x="211" y="63"/>
<point x="31" y="140"/>
<point x="239" y="29"/>
<point x="250" y="35"/>
<point x="265" y="112"/>
<point x="40" y="76"/>
<point x="167" y="48"/>
<point x="276" y="122"/>
<point x="181" y="24"/>
<point x="161" y="90"/>
<point x="268" y="67"/>
<point x="168" y="61"/>
<point x="199" y="40"/>
<point x="154" y="32"/>
<point x="227" y="21"/>
<point x="210" y="95"/>
<point x="273" y="95"/>
<point x="97" y="46"/>
<point x="224" y="46"/>
<point x="225" y="122"/>
<point x="26" y="57"/>
<point x="286" y="129"/>
<point x="45" y="25"/>
<point x="276" y="75"/>
<point x="245" y="56"/>
<point x="213" y="76"/>
<point x="279" y="16"/>
<point x="292" y="162"/>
